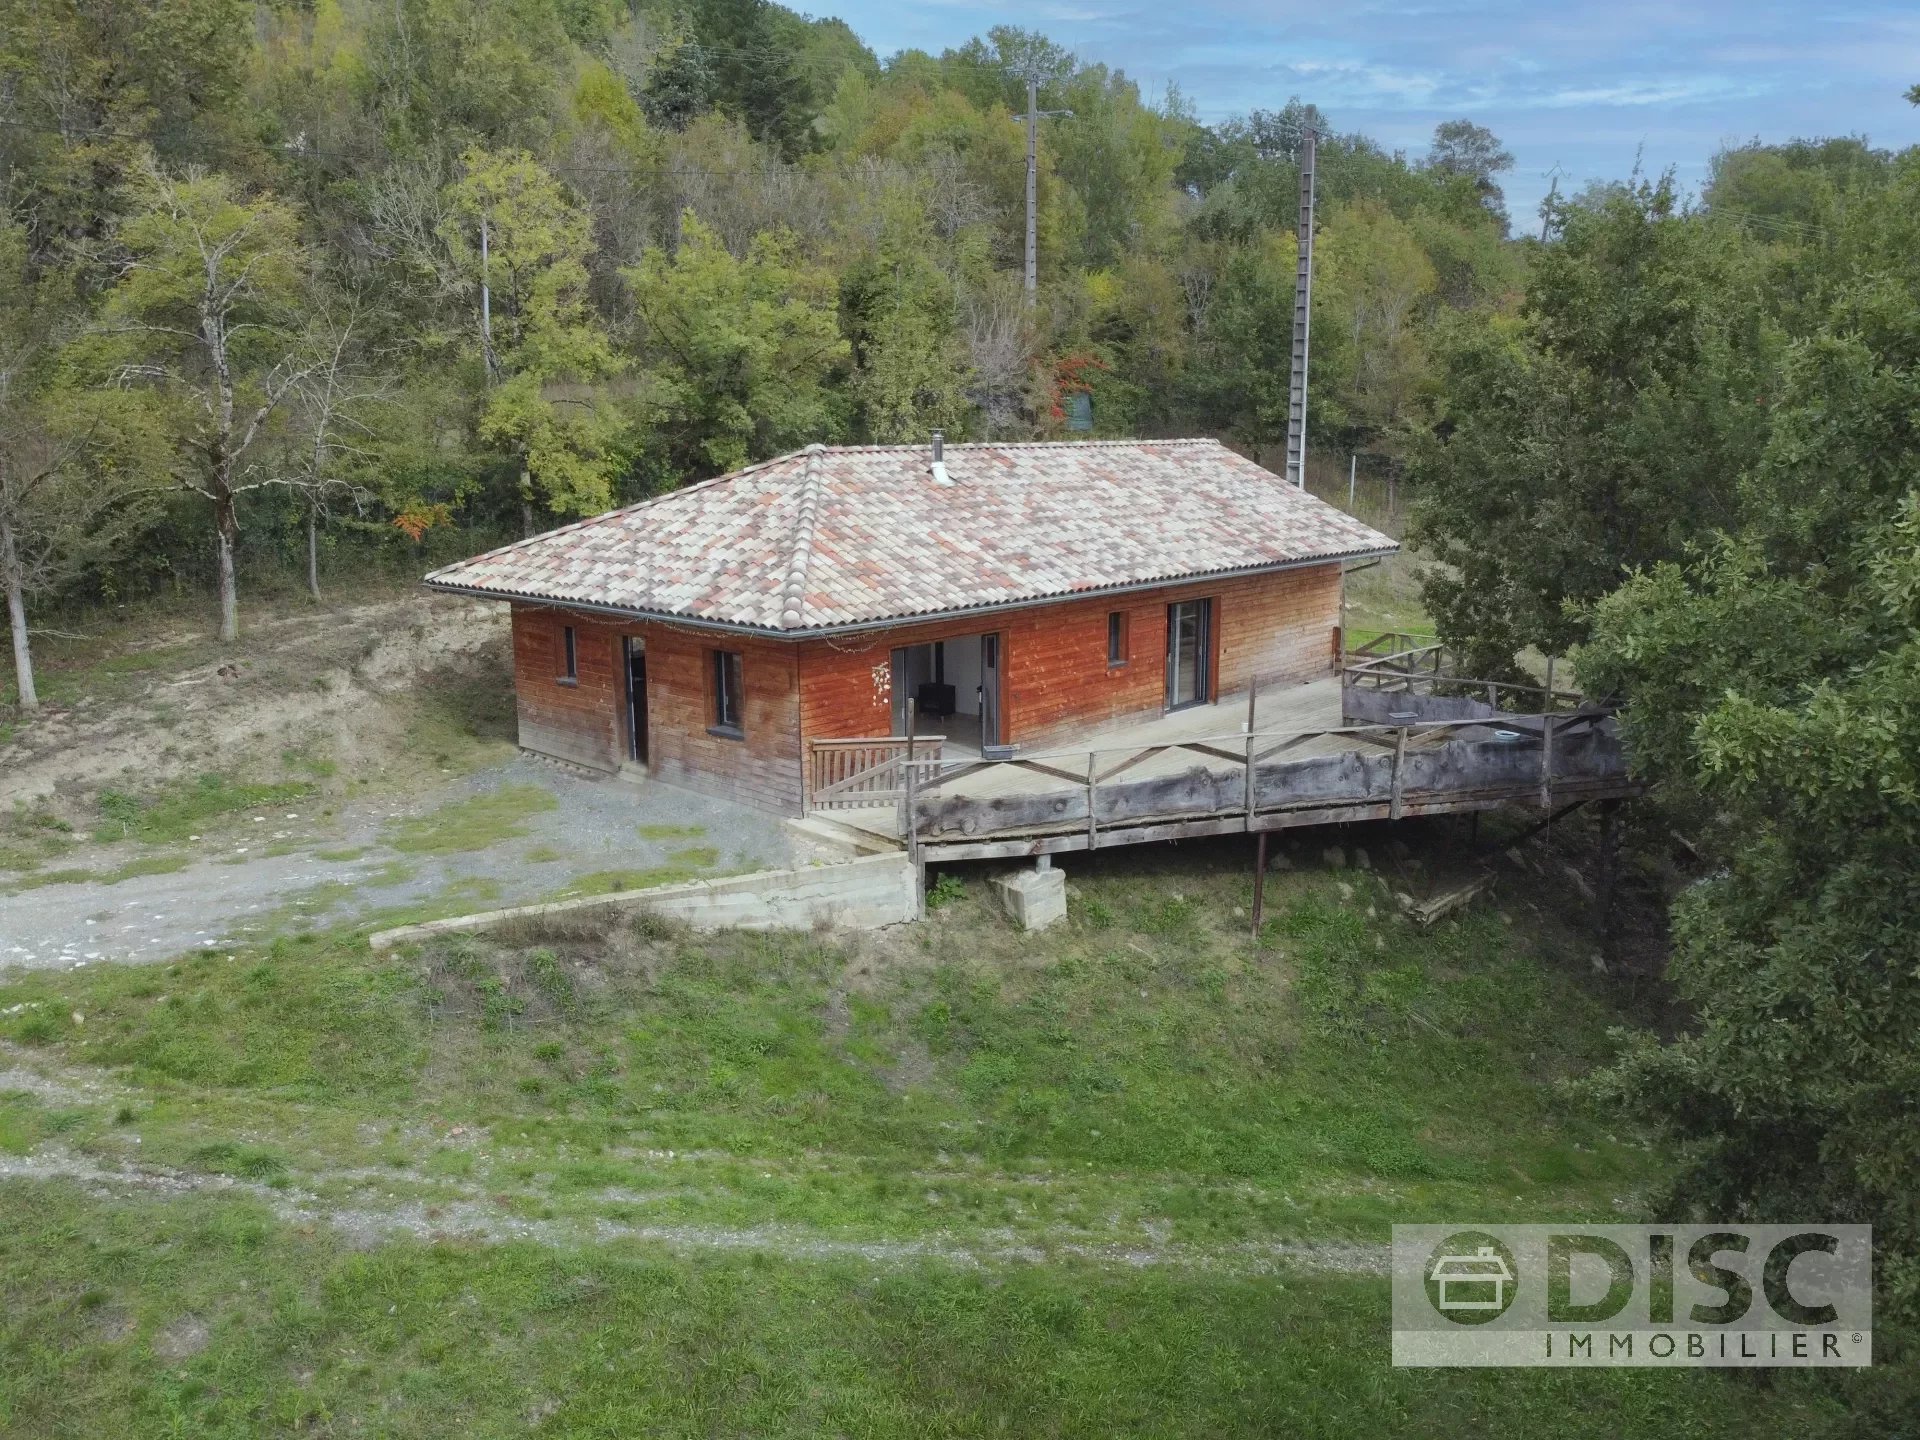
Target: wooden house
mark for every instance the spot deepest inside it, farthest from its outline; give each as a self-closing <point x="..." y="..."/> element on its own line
<point x="742" y="636"/>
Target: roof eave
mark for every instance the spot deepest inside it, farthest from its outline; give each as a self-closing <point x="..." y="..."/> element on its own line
<point x="856" y="627"/>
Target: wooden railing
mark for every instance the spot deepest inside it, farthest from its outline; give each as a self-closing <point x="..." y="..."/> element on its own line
<point x="1388" y="642"/>
<point x="1422" y="670"/>
<point x="845" y="774"/>
<point x="1256" y="782"/>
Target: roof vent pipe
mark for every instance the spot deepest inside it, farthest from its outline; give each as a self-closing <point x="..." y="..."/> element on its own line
<point x="939" y="459"/>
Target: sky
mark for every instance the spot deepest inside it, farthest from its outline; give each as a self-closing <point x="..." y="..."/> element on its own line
<point x="1576" y="86"/>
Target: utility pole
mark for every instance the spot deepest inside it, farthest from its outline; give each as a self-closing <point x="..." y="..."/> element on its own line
<point x="486" y="305"/>
<point x="1546" y="206"/>
<point x="1033" y="187"/>
<point x="1032" y="118"/>
<point x="1302" y="322"/>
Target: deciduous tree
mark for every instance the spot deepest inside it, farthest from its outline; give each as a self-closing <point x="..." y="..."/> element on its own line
<point x="741" y="350"/>
<point x="210" y="295"/>
<point x="522" y="246"/>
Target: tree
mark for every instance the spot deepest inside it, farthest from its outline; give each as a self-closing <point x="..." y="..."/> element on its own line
<point x="742" y="350"/>
<point x="1599" y="433"/>
<point x="334" y="433"/>
<point x="1372" y="294"/>
<point x="1473" y="153"/>
<point x="75" y="461"/>
<point x="902" y="314"/>
<point x="1772" y="680"/>
<point x="1238" y="379"/>
<point x="756" y="74"/>
<point x="92" y="87"/>
<point x="211" y="290"/>
<point x="521" y="245"/>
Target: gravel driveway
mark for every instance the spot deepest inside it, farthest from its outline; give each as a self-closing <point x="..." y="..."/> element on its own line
<point x="274" y="874"/>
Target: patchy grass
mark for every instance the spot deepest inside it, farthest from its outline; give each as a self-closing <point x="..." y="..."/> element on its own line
<point x="175" y="813"/>
<point x="682" y="866"/>
<point x="463" y="722"/>
<point x="544" y="855"/>
<point x="164" y="864"/>
<point x="218" y="1321"/>
<point x="671" y="832"/>
<point x="29" y="837"/>
<point x="748" y="1154"/>
<point x="476" y="823"/>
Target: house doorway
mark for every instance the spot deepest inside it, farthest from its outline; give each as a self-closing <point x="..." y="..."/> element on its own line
<point x="1189" y="653"/>
<point x="635" y="650"/>
<point x="950" y="688"/>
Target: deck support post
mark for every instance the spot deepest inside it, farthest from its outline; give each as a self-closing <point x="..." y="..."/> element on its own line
<point x="1093" y="816"/>
<point x="1608" y="867"/>
<point x="1253" y="692"/>
<point x="1546" y="758"/>
<point x="1399" y="759"/>
<point x="1259" y="884"/>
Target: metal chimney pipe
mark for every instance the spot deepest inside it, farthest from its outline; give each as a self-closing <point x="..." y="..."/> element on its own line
<point x="939" y="447"/>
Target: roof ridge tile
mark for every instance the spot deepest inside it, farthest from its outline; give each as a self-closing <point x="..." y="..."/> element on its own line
<point x="793" y="594"/>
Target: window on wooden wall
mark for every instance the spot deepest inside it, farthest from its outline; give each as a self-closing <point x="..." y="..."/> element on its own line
<point x="569" y="655"/>
<point x="1116" y="637"/>
<point x="729" y="695"/>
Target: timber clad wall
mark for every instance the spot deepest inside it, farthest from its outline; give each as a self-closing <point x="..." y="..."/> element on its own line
<point x="573" y="722"/>
<point x="1056" y="680"/>
<point x="586" y="723"/>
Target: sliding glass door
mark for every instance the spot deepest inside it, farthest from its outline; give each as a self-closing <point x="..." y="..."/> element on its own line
<point x="1189" y="652"/>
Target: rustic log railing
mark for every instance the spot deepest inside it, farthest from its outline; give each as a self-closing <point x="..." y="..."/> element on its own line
<point x="1387" y="642"/>
<point x="1422" y="670"/>
<point x="847" y="774"/>
<point x="1258" y="782"/>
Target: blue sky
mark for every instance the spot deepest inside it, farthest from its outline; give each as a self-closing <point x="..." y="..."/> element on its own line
<point x="1577" y="84"/>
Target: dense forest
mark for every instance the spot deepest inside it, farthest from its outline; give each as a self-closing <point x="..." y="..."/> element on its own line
<point x="360" y="278"/>
<point x="290" y="287"/>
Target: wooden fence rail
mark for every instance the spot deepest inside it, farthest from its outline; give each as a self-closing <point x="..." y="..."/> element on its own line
<point x="846" y="774"/>
<point x="1256" y="782"/>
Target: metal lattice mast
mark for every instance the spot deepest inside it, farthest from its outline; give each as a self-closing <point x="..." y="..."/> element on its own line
<point x="1302" y="323"/>
<point x="1030" y="72"/>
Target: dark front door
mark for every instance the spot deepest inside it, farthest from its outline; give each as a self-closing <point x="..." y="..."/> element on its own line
<point x="1189" y="652"/>
<point x="636" y="699"/>
<point x="989" y="690"/>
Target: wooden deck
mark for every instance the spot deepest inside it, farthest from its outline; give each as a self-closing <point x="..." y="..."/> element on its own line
<point x="1284" y="757"/>
<point x="960" y="771"/>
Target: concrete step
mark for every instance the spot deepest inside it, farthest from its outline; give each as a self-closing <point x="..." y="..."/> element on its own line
<point x="851" y="838"/>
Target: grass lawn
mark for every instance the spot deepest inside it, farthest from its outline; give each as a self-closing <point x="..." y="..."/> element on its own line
<point x="1134" y="1176"/>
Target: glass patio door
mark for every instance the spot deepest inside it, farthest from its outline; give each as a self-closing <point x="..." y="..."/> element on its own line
<point x="1189" y="646"/>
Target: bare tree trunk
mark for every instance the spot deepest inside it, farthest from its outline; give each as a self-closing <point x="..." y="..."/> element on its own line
<point x="17" y="618"/>
<point x="227" y="529"/>
<point x="313" y="550"/>
<point x="526" y="500"/>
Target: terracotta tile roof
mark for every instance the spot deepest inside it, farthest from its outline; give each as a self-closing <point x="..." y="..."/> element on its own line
<point x="830" y="537"/>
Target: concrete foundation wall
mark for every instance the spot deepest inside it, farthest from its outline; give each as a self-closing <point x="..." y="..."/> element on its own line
<point x="862" y="894"/>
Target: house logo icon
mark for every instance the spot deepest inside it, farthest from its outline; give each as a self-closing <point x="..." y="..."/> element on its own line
<point x="1470" y="1278"/>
